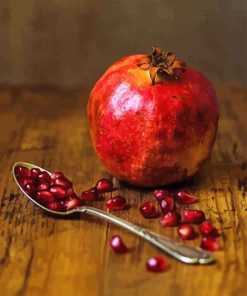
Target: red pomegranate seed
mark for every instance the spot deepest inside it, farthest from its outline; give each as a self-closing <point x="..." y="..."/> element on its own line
<point x="167" y="205"/>
<point x="58" y="192"/>
<point x="30" y="189"/>
<point x="210" y="244"/>
<point x="160" y="194"/>
<point x="148" y="210"/>
<point x="193" y="216"/>
<point x="55" y="206"/>
<point x="44" y="197"/>
<point x="171" y="219"/>
<point x="21" y="171"/>
<point x="208" y="230"/>
<point x="118" y="245"/>
<point x="185" y="198"/>
<point x="72" y="203"/>
<point x="25" y="181"/>
<point x="43" y="186"/>
<point x="35" y="172"/>
<point x="64" y="182"/>
<point x="71" y="193"/>
<point x="186" y="232"/>
<point x="156" y="264"/>
<point x="104" y="185"/>
<point x="44" y="177"/>
<point x="118" y="202"/>
<point x="91" y="194"/>
<point x="57" y="175"/>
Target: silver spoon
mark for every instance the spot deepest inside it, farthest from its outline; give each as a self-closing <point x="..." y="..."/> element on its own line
<point x="177" y="250"/>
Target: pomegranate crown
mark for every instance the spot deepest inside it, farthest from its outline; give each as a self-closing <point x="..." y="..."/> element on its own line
<point x="163" y="64"/>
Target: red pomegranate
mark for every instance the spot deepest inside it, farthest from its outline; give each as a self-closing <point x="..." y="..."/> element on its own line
<point x="153" y="119"/>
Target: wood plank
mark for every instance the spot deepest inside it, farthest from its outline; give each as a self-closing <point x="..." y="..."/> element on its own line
<point x="45" y="255"/>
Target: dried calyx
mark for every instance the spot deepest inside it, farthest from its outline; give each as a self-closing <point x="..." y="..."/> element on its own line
<point x="163" y="65"/>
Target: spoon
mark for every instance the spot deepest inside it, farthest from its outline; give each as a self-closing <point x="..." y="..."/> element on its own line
<point x="180" y="251"/>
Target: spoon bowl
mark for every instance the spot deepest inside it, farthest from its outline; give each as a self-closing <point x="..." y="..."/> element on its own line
<point x="180" y="251"/>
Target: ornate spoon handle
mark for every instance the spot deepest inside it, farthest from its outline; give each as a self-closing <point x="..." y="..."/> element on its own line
<point x="177" y="250"/>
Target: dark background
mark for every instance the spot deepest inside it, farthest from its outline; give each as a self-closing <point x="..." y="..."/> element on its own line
<point x="70" y="43"/>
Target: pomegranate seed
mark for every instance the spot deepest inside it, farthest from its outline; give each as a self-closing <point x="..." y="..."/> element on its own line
<point x="64" y="182"/>
<point x="210" y="244"/>
<point x="171" y="219"/>
<point x="25" y="181"/>
<point x="193" y="216"/>
<point x="156" y="264"/>
<point x="44" y="197"/>
<point x="208" y="230"/>
<point x="57" y="175"/>
<point x="71" y="193"/>
<point x="185" y="198"/>
<point x="148" y="210"/>
<point x="55" y="206"/>
<point x="186" y="232"/>
<point x="44" y="177"/>
<point x="167" y="205"/>
<point x="58" y="192"/>
<point x="21" y="171"/>
<point x="160" y="194"/>
<point x="104" y="185"/>
<point x="43" y="186"/>
<point x="35" y="172"/>
<point x="118" y="202"/>
<point x="72" y="203"/>
<point x="30" y="189"/>
<point x="118" y="245"/>
<point x="91" y="194"/>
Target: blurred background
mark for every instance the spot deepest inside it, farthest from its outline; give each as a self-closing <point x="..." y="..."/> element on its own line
<point x="70" y="43"/>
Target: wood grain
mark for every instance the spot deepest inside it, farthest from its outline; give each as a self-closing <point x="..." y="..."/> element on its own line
<point x="45" y="255"/>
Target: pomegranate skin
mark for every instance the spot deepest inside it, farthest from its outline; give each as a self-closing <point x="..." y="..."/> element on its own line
<point x="152" y="135"/>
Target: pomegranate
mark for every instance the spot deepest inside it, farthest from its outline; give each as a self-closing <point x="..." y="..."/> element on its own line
<point x="167" y="205"/>
<point x="118" y="245"/>
<point x="153" y="119"/>
<point x="156" y="264"/>
<point x="116" y="203"/>
<point x="160" y="194"/>
<point x="210" y="244"/>
<point x="186" y="232"/>
<point x="91" y="194"/>
<point x="193" y="216"/>
<point x="104" y="185"/>
<point x="148" y="210"/>
<point x="171" y="219"/>
<point x="208" y="230"/>
<point x="185" y="198"/>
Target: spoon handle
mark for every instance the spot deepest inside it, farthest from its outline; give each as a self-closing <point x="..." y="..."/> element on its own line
<point x="177" y="250"/>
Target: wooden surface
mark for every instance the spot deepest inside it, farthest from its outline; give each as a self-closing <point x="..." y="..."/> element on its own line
<point x="45" y="255"/>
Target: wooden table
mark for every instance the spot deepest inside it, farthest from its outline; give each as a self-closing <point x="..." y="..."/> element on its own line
<point x="45" y="255"/>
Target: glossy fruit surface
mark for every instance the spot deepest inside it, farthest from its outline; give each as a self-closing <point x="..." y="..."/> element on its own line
<point x="118" y="245"/>
<point x="171" y="219"/>
<point x="186" y="232"/>
<point x="116" y="203"/>
<point x="91" y="194"/>
<point x="156" y="264"/>
<point x="148" y="210"/>
<point x="160" y="194"/>
<point x="104" y="185"/>
<point x="193" y="216"/>
<point x="208" y="230"/>
<point x="152" y="132"/>
<point x="185" y="198"/>
<point x="167" y="205"/>
<point x="210" y="244"/>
